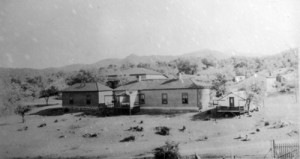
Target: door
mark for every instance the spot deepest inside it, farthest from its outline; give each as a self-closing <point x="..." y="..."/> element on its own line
<point x="231" y="101"/>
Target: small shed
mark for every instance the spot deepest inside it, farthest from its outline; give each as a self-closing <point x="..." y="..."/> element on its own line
<point x="239" y="78"/>
<point x="233" y="102"/>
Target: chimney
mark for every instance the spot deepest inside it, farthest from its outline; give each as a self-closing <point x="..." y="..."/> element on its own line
<point x="179" y="76"/>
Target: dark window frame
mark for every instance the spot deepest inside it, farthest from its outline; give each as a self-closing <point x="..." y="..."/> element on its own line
<point x="185" y="100"/>
<point x="164" y="101"/>
<point x="142" y="100"/>
<point x="88" y="100"/>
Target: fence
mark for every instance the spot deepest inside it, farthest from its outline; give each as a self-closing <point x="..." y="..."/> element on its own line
<point x="285" y="150"/>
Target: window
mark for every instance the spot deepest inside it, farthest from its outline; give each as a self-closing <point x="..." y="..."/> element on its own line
<point x="88" y="100"/>
<point x="185" y="98"/>
<point x="164" y="97"/>
<point x="71" y="101"/>
<point x="142" y="98"/>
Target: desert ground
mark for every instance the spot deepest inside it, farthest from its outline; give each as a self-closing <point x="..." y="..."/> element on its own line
<point x="62" y="136"/>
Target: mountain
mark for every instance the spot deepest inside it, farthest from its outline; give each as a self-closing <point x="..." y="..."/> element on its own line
<point x="208" y="54"/>
<point x="136" y="59"/>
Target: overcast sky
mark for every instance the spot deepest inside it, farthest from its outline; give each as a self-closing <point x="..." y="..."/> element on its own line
<point x="53" y="33"/>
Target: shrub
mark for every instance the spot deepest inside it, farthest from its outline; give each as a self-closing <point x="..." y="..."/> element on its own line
<point x="169" y="151"/>
<point x="267" y="123"/>
<point x="21" y="110"/>
<point x="162" y="130"/>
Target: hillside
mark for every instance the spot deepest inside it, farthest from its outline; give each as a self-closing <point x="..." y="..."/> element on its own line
<point x="152" y="59"/>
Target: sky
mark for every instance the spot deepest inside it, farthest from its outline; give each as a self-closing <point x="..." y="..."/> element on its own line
<point x="54" y="33"/>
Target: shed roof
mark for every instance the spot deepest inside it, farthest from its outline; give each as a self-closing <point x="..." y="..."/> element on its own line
<point x="240" y="94"/>
<point x="159" y="84"/>
<point x="87" y="87"/>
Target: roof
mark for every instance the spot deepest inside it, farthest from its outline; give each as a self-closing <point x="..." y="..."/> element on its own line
<point x="134" y="71"/>
<point x="240" y="94"/>
<point x="159" y="84"/>
<point x="87" y="87"/>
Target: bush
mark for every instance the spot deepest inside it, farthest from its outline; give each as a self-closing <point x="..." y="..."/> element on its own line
<point x="162" y="130"/>
<point x="21" y="110"/>
<point x="267" y="123"/>
<point x="169" y="151"/>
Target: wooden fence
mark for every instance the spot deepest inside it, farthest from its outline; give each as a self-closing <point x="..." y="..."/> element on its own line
<point x="285" y="150"/>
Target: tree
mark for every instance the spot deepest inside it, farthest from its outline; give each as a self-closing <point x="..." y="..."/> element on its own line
<point x="186" y="67"/>
<point x="219" y="84"/>
<point x="46" y="93"/>
<point x="208" y="62"/>
<point x="255" y="93"/>
<point x="82" y="76"/>
<point x="21" y="110"/>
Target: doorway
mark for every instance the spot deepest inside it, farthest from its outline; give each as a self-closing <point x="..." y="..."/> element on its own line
<point x="231" y="101"/>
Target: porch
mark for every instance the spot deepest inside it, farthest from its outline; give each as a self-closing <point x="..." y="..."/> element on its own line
<point x="237" y="109"/>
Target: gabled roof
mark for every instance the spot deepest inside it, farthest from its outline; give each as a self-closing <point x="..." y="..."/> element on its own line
<point x="134" y="71"/>
<point x="87" y="87"/>
<point x="159" y="84"/>
<point x="239" y="94"/>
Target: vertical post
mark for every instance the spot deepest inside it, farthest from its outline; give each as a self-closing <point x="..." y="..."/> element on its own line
<point x="273" y="148"/>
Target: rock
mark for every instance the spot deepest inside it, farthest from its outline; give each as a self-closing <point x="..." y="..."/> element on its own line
<point x="128" y="139"/>
<point x="182" y="129"/>
<point x="23" y="128"/>
<point x="293" y="133"/>
<point x="88" y="135"/>
<point x="136" y="128"/>
<point x="62" y="136"/>
<point x="141" y="122"/>
<point x="204" y="138"/>
<point x="55" y="121"/>
<point x="42" y="125"/>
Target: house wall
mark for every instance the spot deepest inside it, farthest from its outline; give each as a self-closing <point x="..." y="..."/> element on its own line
<point x="79" y="99"/>
<point x="102" y="97"/>
<point x="204" y="99"/>
<point x="154" y="98"/>
<point x="237" y="101"/>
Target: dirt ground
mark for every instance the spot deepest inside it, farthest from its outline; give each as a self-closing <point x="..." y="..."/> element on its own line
<point x="62" y="136"/>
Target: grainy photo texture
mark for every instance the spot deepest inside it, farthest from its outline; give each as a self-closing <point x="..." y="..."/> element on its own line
<point x="149" y="79"/>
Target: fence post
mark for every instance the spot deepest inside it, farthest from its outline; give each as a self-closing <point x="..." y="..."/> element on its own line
<point x="273" y="148"/>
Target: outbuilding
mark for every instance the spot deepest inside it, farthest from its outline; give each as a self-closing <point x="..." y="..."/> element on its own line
<point x="232" y="102"/>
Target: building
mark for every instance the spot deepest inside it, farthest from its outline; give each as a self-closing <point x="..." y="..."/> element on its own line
<point x="239" y="78"/>
<point x="87" y="96"/>
<point x="114" y="78"/>
<point x="168" y="93"/>
<point x="233" y="102"/>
